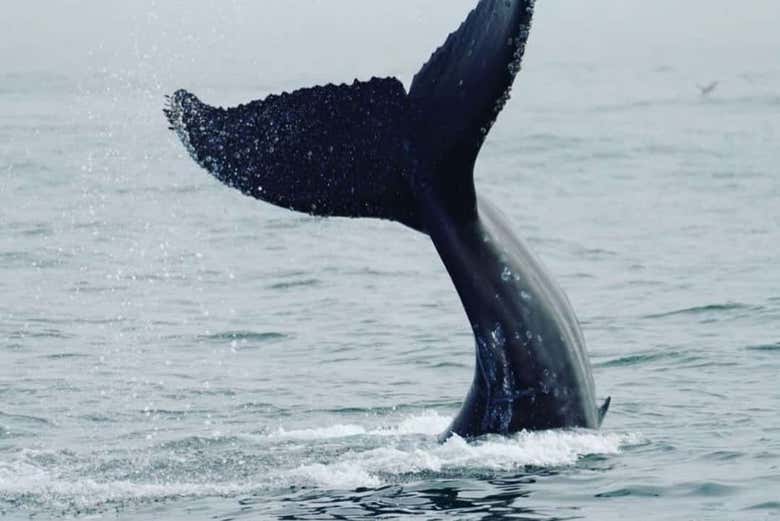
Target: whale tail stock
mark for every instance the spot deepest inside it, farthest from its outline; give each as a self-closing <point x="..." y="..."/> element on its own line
<point x="369" y="149"/>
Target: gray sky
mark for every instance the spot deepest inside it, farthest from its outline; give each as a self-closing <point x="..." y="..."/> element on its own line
<point x="334" y="40"/>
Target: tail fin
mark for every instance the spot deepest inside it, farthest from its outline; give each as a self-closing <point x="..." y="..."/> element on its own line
<point x="330" y="151"/>
<point x="348" y="150"/>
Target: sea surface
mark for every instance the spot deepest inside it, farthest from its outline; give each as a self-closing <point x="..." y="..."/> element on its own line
<point x="170" y="349"/>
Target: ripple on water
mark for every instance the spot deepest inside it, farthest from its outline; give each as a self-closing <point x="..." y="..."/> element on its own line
<point x="243" y="336"/>
<point x="723" y="455"/>
<point x="640" y="359"/>
<point x="64" y="356"/>
<point x="769" y="505"/>
<point x="634" y="490"/>
<point x="290" y="284"/>
<point x="708" y="310"/>
<point x="24" y="419"/>
<point x="707" y="489"/>
<point x="766" y="348"/>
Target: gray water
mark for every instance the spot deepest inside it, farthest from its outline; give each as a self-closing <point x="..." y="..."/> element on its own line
<point x="171" y="349"/>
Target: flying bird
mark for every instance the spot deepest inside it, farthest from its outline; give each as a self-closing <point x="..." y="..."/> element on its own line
<point x="706" y="90"/>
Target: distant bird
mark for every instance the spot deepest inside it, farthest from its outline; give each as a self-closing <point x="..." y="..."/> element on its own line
<point x="706" y="90"/>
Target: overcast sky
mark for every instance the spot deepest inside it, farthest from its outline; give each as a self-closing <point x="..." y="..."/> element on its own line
<point x="338" y="39"/>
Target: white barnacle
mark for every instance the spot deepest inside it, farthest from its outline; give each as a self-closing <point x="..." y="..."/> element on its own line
<point x="497" y="336"/>
<point x="506" y="275"/>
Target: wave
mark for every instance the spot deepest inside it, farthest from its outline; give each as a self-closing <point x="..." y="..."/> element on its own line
<point x="639" y="359"/>
<point x="22" y="418"/>
<point x="240" y="336"/>
<point x="41" y="488"/>
<point x="707" y="309"/>
<point x="758" y="100"/>
<point x="430" y="423"/>
<point x="764" y="347"/>
<point x="299" y="283"/>
<point x="383" y="465"/>
<point x="409" y="454"/>
<point x="769" y="505"/>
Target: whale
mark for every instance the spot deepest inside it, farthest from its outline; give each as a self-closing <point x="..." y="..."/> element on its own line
<point x="370" y="149"/>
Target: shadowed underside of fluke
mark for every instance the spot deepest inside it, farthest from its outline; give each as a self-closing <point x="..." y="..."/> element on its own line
<point x="370" y="149"/>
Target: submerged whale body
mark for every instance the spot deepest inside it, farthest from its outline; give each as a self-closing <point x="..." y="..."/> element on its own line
<point x="371" y="149"/>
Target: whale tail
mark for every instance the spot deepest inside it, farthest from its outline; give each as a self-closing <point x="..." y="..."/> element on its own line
<point x="368" y="149"/>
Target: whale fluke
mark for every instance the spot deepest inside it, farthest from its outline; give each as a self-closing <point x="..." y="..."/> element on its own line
<point x="352" y="150"/>
<point x="328" y="151"/>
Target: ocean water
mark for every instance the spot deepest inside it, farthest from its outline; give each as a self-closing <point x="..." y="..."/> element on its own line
<point x="171" y="349"/>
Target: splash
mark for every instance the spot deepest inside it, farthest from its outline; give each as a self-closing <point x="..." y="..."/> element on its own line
<point x="429" y="423"/>
<point x="334" y="458"/>
<point x="40" y="488"/>
<point x="386" y="464"/>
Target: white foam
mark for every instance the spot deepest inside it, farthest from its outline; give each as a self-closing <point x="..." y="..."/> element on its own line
<point x="23" y="479"/>
<point x="541" y="449"/>
<point x="336" y="476"/>
<point x="374" y="467"/>
<point x="321" y="433"/>
<point x="389" y="453"/>
<point x="428" y="423"/>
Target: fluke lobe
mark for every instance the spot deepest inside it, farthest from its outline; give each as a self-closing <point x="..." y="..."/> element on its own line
<point x="371" y="149"/>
